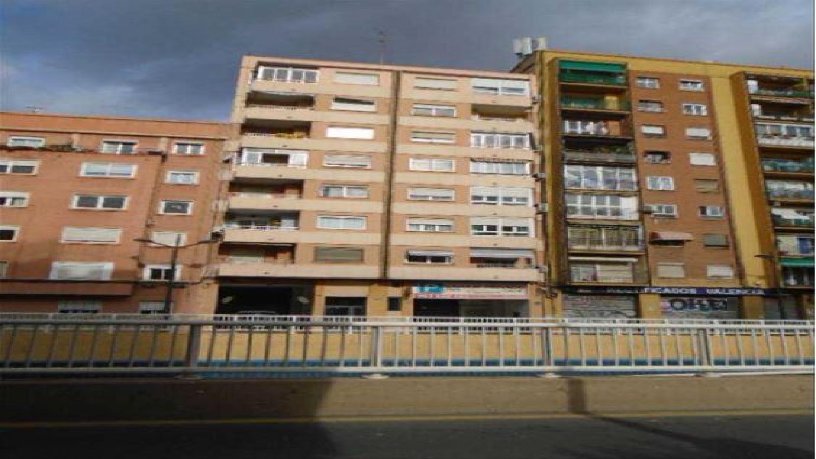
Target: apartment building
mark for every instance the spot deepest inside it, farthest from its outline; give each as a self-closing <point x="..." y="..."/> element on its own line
<point x="381" y="190"/>
<point x="657" y="171"/>
<point x="76" y="192"/>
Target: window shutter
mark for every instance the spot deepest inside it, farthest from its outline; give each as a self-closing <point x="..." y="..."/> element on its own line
<point x="339" y="254"/>
<point x="671" y="270"/>
<point x="357" y="78"/>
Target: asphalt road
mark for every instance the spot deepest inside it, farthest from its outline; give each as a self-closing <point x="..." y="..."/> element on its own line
<point x="589" y="437"/>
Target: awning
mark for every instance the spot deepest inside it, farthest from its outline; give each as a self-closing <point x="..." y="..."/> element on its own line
<point x="501" y="253"/>
<point x="592" y="66"/>
<point x="670" y="236"/>
<point x="791" y="262"/>
<point x="429" y="253"/>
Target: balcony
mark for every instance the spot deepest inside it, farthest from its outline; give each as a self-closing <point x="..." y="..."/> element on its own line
<point x="787" y="166"/>
<point x="790" y="194"/>
<point x="780" y="221"/>
<point x="797" y="272"/>
<point x="594" y="103"/>
<point x="782" y="92"/>
<point x="596" y="129"/>
<point x="785" y="141"/>
<point x="602" y="270"/>
<point x="601" y="156"/>
<point x="604" y="245"/>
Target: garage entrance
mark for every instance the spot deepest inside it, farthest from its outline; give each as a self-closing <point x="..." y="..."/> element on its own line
<point x="265" y="299"/>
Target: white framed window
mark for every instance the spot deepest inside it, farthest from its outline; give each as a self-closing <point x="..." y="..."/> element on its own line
<point x="371" y="79"/>
<point x="152" y="307"/>
<point x="182" y="177"/>
<point x="719" y="272"/>
<point x="671" y="270"/>
<point x="435" y="84"/>
<point x="433" y="137"/>
<point x="647" y="82"/>
<point x="169" y="237"/>
<point x="114" y="170"/>
<point x="25" y="141"/>
<point x="600" y="177"/>
<point x="650" y="106"/>
<point x="79" y="235"/>
<point x="429" y="257"/>
<point x="702" y="159"/>
<point x="765" y="130"/>
<point x="660" y="183"/>
<point x="663" y="210"/>
<point x="429" y="225"/>
<point x="18" y="167"/>
<point x="9" y="233"/>
<point x="431" y="194"/>
<point x="695" y="109"/>
<point x="586" y="127"/>
<point x="698" y="133"/>
<point x="13" y="199"/>
<point x="711" y="211"/>
<point x="499" y="140"/>
<point x="344" y="191"/>
<point x="160" y="273"/>
<point x="119" y="147"/>
<point x="500" y="87"/>
<point x="79" y="306"/>
<point x="496" y="226"/>
<point x="4" y="269"/>
<point x="81" y="270"/>
<point x="691" y="85"/>
<point x="99" y="202"/>
<point x="433" y="110"/>
<point x="287" y="74"/>
<point x="653" y="130"/>
<point x="657" y="157"/>
<point x="340" y="132"/>
<point x="431" y="164"/>
<point x="349" y="161"/>
<point x="354" y="105"/>
<point x="483" y="166"/>
<point x="601" y="207"/>
<point x="274" y="157"/>
<point x="188" y="148"/>
<point x="174" y="207"/>
<point x="501" y="196"/>
<point x="344" y="222"/>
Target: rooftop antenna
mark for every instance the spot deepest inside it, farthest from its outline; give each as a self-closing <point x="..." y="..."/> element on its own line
<point x="34" y="108"/>
<point x="381" y="41"/>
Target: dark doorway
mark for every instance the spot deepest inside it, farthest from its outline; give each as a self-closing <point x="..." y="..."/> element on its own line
<point x="262" y="300"/>
<point x="436" y="308"/>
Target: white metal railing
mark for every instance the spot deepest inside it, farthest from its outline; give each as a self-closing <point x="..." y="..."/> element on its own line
<point x="785" y="141"/>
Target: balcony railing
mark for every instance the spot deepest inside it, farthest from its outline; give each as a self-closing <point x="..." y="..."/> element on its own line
<point x="782" y="92"/>
<point x="254" y="195"/>
<point x="790" y="194"/>
<point x="593" y="104"/>
<point x="593" y="78"/>
<point x="804" y="222"/>
<point x="787" y="165"/>
<point x="249" y="226"/>
<point x="779" y="117"/>
<point x="637" y="275"/>
<point x="502" y="265"/>
<point x="600" y="245"/>
<point x="283" y="135"/>
<point x="280" y="107"/>
<point x="620" y="156"/>
<point x="784" y="141"/>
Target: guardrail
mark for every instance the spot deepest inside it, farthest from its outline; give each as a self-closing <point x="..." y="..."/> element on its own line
<point x="37" y="344"/>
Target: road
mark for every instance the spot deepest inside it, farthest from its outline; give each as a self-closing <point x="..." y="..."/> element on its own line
<point x="586" y="437"/>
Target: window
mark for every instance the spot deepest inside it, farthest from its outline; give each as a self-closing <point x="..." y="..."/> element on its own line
<point x="610" y="270"/>
<point x="431" y="164"/>
<point x="702" y="159"/>
<point x="493" y="226"/>
<point x="663" y="210"/>
<point x="433" y="137"/>
<point x="394" y="304"/>
<point x="89" y="201"/>
<point x="436" y="84"/>
<point x="604" y="237"/>
<point x="647" y="82"/>
<point x="698" y="133"/>
<point x="715" y="240"/>
<point x="350" y="161"/>
<point x="657" y="157"/>
<point x="691" y="85"/>
<point x="182" y="177"/>
<point x="152" y="307"/>
<point x="176" y="207"/>
<point x="13" y="199"/>
<point x="600" y="178"/>
<point x="344" y="191"/>
<point x="711" y="211"/>
<point x="9" y="233"/>
<point x="768" y="130"/>
<point x="653" y="130"/>
<point x="431" y="194"/>
<point x="650" y="106"/>
<point x="499" y="140"/>
<point x="345" y="306"/>
<point x="357" y="78"/>
<point x="500" y="87"/>
<point x="339" y="132"/>
<point x="274" y="157"/>
<point x="116" y="170"/>
<point x="501" y="196"/>
<point x="8" y="166"/>
<point x="118" y="147"/>
<point x="603" y="207"/>
<point x="429" y="225"/>
<point x="695" y="109"/>
<point x="431" y="257"/>
<point x="188" y="148"/>
<point x="660" y="183"/>
<point x="484" y="166"/>
<point x="706" y="185"/>
<point x="70" y="270"/>
<point x="795" y="244"/>
<point x="79" y="307"/>
<point x="344" y="222"/>
<point x="581" y="127"/>
<point x="719" y="272"/>
<point x="20" y="141"/>
<point x="338" y="254"/>
<point x="160" y="273"/>
<point x="356" y="105"/>
<point x="287" y="74"/>
<point x="168" y="237"/>
<point x="4" y="269"/>
<point x="433" y="110"/>
<point x="671" y="270"/>
<point x="71" y="234"/>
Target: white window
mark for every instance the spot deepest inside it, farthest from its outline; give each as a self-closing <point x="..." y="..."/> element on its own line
<point x="501" y="196"/>
<point x="338" y="132"/>
<point x="478" y="166"/>
<point x="497" y="140"/>
<point x="118" y="147"/>
<point x="116" y="170"/>
<point x="660" y="183"/>
<point x="344" y="191"/>
<point x="274" y="157"/>
<point x="719" y="272"/>
<point x="13" y="199"/>
<point x="711" y="211"/>
<point x="671" y="270"/>
<point x="188" y="148"/>
<point x="500" y="87"/>
<point x="430" y="194"/>
<point x="691" y="85"/>
<point x="702" y="159"/>
<point x="433" y="137"/>
<point x="647" y="82"/>
<point x="494" y="226"/>
<point x="90" y="201"/>
<point x="71" y="234"/>
<point x="437" y="84"/>
<point x="582" y="127"/>
<point x="76" y="270"/>
<point x="355" y="105"/>
<point x="152" y="307"/>
<point x="600" y="177"/>
<point x="341" y="222"/>
<point x="601" y="207"/>
<point x="169" y="237"/>
<point x="350" y="161"/>
<point x="698" y="133"/>
<point x="765" y="130"/>
<point x="357" y="78"/>
<point x="431" y="257"/>
<point x="663" y="210"/>
<point x="79" y="306"/>
<point x="9" y="233"/>
<point x="433" y="110"/>
<point x="430" y="225"/>
<point x="650" y="106"/>
<point x="653" y="130"/>
<point x="695" y="109"/>
<point x="8" y="166"/>
<point x="182" y="177"/>
<point x="173" y="207"/>
<point x="20" y="141"/>
<point x="287" y="74"/>
<point x="160" y="273"/>
<point x="431" y="164"/>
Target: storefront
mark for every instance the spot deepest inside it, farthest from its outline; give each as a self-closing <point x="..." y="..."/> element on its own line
<point x="456" y="299"/>
<point x="701" y="302"/>
<point x="609" y="303"/>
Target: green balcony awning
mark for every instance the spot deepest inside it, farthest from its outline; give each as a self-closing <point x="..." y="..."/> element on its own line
<point x="796" y="262"/>
<point x="592" y="66"/>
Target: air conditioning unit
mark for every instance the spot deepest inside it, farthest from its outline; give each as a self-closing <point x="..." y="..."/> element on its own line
<point x="541" y="207"/>
<point x="539" y="175"/>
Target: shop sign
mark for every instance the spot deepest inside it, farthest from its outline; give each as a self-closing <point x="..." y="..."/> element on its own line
<point x="709" y="291"/>
<point x="470" y="292"/>
<point x="706" y="308"/>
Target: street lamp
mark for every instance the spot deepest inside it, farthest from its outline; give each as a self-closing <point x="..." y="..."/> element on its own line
<point x="168" y="296"/>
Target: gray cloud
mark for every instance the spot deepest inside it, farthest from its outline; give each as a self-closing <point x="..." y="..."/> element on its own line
<point x="179" y="58"/>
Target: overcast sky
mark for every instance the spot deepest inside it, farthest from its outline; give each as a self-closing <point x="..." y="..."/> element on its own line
<point x="179" y="58"/>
